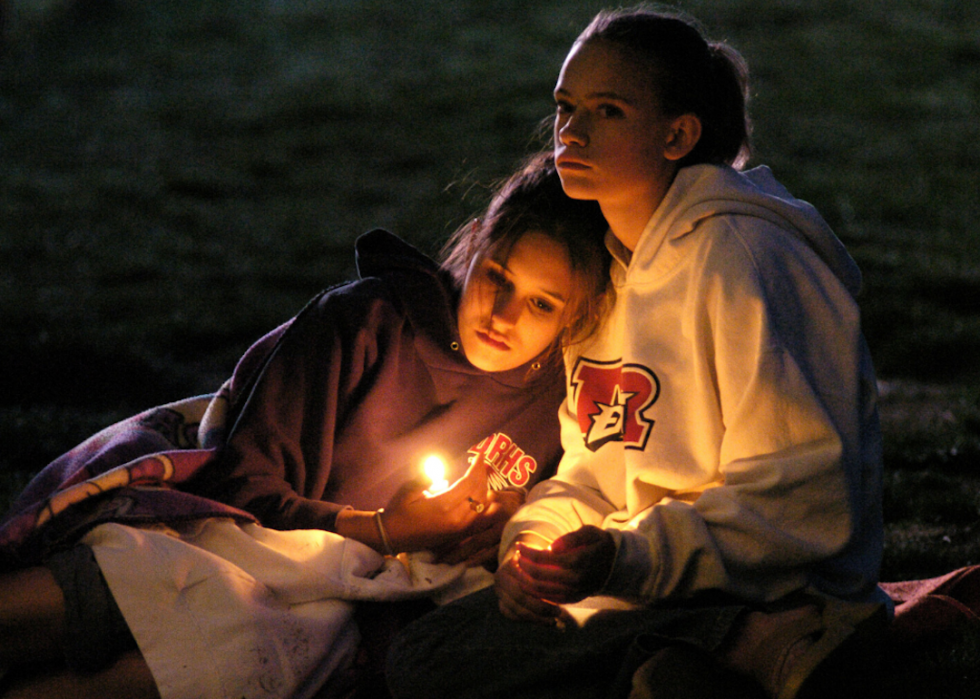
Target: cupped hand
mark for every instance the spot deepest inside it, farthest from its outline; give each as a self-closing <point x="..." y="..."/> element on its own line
<point x="415" y="520"/>
<point x="533" y="581"/>
<point x="514" y="596"/>
<point x="587" y="556"/>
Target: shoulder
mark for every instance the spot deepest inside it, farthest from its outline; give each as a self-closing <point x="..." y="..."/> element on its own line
<point x="745" y="262"/>
<point x="750" y="217"/>
<point x="747" y="250"/>
<point x="737" y="240"/>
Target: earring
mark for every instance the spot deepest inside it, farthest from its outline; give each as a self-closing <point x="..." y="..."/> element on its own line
<point x="536" y="366"/>
<point x="454" y="346"/>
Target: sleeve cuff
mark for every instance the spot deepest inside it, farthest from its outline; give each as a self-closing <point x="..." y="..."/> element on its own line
<point x="633" y="566"/>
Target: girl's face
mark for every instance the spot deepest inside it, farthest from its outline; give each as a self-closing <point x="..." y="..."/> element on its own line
<point x="611" y="137"/>
<point x="513" y="306"/>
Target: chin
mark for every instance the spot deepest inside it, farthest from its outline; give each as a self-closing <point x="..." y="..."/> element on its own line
<point x="577" y="187"/>
<point x="493" y="364"/>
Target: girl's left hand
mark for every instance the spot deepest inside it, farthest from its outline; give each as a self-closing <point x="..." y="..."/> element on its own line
<point x="481" y="546"/>
<point x="414" y="520"/>
<point x="514" y="598"/>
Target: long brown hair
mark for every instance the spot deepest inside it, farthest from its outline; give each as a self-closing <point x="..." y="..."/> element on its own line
<point x="532" y="200"/>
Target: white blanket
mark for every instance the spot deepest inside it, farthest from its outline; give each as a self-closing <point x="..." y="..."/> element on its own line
<point x="227" y="611"/>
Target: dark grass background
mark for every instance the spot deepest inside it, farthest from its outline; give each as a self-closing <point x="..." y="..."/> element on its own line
<point x="178" y="177"/>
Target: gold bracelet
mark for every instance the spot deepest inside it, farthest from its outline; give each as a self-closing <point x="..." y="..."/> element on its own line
<point x="385" y="541"/>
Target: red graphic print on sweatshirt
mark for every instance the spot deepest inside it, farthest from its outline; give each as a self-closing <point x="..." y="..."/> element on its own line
<point x="610" y="399"/>
<point x="511" y="466"/>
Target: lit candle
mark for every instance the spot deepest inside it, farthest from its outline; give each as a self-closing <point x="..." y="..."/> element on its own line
<point x="435" y="470"/>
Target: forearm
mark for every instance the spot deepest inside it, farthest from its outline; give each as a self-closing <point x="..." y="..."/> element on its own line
<point x="555" y="507"/>
<point x="367" y="527"/>
<point x="263" y="493"/>
<point x="757" y="539"/>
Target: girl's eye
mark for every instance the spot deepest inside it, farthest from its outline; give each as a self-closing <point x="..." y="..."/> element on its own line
<point x="563" y="107"/>
<point x="542" y="306"/>
<point x="495" y="277"/>
<point x="609" y="111"/>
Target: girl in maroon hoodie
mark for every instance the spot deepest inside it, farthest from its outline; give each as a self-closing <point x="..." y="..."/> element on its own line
<point x="326" y="420"/>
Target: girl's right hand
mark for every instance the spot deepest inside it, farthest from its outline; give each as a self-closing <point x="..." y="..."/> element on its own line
<point x="415" y="521"/>
<point x="534" y="581"/>
<point x="516" y="598"/>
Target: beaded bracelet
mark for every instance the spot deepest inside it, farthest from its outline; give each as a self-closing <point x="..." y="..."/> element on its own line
<point x="385" y="541"/>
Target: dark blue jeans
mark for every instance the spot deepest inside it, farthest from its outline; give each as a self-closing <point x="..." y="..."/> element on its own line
<point x="468" y="649"/>
<point x="95" y="630"/>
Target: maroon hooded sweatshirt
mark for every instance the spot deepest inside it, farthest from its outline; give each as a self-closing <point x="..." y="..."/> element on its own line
<point x="339" y="406"/>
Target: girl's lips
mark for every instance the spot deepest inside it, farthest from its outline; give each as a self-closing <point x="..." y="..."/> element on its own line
<point x="487" y="339"/>
<point x="563" y="164"/>
<point x="573" y="166"/>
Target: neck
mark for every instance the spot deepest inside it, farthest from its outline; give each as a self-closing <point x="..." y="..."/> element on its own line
<point x="628" y="215"/>
<point x="627" y="222"/>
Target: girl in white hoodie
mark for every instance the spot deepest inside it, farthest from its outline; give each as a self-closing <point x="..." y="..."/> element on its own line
<point x="720" y="432"/>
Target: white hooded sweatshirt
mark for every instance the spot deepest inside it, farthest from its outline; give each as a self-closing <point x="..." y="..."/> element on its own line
<point x="722" y="424"/>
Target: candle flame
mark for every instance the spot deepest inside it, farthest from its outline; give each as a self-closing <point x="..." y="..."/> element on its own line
<point x="435" y="470"/>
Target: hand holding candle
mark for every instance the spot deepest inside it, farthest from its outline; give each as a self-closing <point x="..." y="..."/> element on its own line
<point x="419" y="517"/>
<point x="533" y="581"/>
<point x="481" y="546"/>
<point x="435" y="470"/>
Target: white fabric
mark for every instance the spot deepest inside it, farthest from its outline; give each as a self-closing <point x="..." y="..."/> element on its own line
<point x="225" y="611"/>
<point x="742" y="450"/>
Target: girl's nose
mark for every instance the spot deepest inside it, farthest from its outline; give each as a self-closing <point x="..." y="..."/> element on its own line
<point x="573" y="132"/>
<point x="506" y="309"/>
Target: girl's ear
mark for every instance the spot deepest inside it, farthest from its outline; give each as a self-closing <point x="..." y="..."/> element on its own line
<point x="685" y="132"/>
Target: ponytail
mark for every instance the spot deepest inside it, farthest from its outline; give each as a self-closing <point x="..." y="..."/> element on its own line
<point x="727" y="137"/>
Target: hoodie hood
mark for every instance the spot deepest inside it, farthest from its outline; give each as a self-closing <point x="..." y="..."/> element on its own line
<point x="429" y="294"/>
<point x="704" y="191"/>
<point x="379" y="252"/>
<point x="423" y="293"/>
